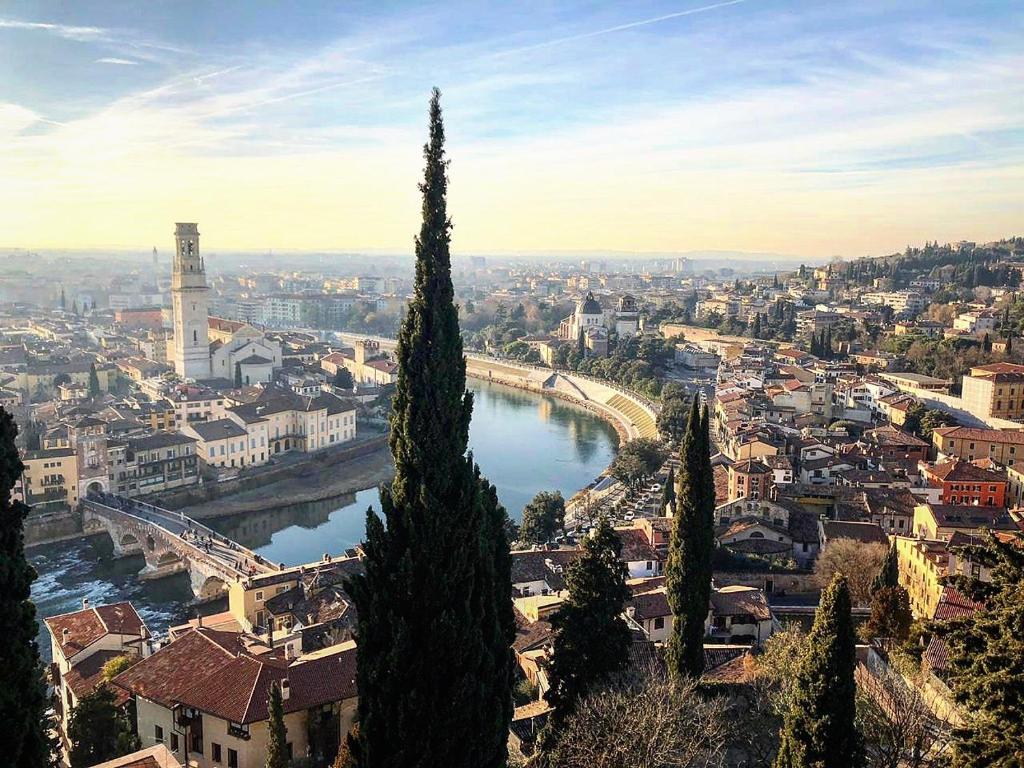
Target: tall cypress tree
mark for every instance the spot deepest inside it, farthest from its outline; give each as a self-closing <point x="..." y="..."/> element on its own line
<point x="688" y="572"/>
<point x="819" y="729"/>
<point x="434" y="631"/>
<point x="94" y="381"/>
<point x="277" y="734"/>
<point x="24" y="733"/>
<point x="889" y="573"/>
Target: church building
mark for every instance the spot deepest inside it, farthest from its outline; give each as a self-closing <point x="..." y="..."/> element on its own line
<point x="205" y="347"/>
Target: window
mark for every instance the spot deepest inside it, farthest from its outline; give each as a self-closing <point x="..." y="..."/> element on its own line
<point x="158" y="734"/>
<point x="232" y="758"/>
<point x="259" y="594"/>
<point x="215" y="752"/>
<point x="174" y="742"/>
<point x="659" y="622"/>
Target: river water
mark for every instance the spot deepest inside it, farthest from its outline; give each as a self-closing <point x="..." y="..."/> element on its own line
<point x="523" y="442"/>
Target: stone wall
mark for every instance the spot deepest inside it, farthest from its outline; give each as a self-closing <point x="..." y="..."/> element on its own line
<point x="52" y="527"/>
<point x="185" y="497"/>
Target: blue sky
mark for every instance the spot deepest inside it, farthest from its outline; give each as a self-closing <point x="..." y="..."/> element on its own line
<point x="808" y="128"/>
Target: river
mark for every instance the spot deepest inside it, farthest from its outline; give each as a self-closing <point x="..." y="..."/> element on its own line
<point x="523" y="442"/>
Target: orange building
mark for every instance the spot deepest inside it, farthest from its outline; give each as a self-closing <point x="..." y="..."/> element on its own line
<point x="965" y="483"/>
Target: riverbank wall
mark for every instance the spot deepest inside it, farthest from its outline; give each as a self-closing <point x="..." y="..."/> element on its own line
<point x="307" y="469"/>
<point x="632" y="415"/>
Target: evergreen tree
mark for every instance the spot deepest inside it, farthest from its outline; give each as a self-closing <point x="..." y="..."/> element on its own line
<point x="819" y="729"/>
<point x="890" y="617"/>
<point x="1009" y="344"/>
<point x="343" y="378"/>
<point x="591" y="639"/>
<point x="94" y="381"/>
<point x="688" y="572"/>
<point x="435" y="620"/>
<point x="74" y="306"/>
<point x="98" y="730"/>
<point x="24" y="735"/>
<point x="277" y="734"/>
<point x="827" y="333"/>
<point x="889" y="573"/>
<point x="238" y="375"/>
<point x="668" y="493"/>
<point x="63" y="299"/>
<point x="986" y="343"/>
<point x="756" y="331"/>
<point x="986" y="656"/>
<point x="581" y="345"/>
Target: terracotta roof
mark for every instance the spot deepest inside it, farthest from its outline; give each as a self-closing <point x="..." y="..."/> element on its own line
<point x="635" y="545"/>
<point x="867" y="533"/>
<point x="890" y="435"/>
<point x="87" y="626"/>
<point x="84" y="676"/>
<point x="957" y="470"/>
<point x="1011" y="436"/>
<point x="650" y="605"/>
<point x="732" y="601"/>
<point x="198" y="671"/>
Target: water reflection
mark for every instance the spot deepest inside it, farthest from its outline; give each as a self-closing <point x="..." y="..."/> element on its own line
<point x="562" y="448"/>
<point x="523" y="442"/>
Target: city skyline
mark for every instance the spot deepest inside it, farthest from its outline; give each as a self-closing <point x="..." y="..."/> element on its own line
<point x="668" y="127"/>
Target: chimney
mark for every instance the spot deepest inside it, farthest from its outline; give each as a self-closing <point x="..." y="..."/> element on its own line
<point x="65" y="635"/>
<point x="285" y="689"/>
<point x="289" y="651"/>
<point x="85" y="604"/>
<point x="199" y="620"/>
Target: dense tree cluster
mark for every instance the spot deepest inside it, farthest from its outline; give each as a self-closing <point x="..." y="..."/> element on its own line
<point x="638" y="461"/>
<point x="986" y="656"/>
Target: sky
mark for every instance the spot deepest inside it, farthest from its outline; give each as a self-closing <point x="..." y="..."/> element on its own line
<point x="804" y="128"/>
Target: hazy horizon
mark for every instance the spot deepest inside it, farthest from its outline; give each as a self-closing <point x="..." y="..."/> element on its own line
<point x="793" y="129"/>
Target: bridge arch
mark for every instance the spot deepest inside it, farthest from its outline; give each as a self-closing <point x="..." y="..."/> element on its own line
<point x="168" y="558"/>
<point x="95" y="487"/>
<point x="129" y="540"/>
<point x="212" y="587"/>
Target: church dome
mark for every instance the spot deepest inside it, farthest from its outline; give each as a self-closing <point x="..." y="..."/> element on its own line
<point x="590" y="306"/>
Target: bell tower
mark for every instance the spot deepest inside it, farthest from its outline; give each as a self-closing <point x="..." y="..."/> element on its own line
<point x="190" y="304"/>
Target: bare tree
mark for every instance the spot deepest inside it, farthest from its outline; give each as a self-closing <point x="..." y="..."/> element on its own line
<point x="857" y="561"/>
<point x="900" y="729"/>
<point x="642" y="724"/>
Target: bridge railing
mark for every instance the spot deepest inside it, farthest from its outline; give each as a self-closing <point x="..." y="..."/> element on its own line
<point x="136" y="510"/>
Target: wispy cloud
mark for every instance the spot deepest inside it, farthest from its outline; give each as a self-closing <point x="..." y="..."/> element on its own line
<point x="68" y="32"/>
<point x="617" y="28"/>
<point x="119" y="62"/>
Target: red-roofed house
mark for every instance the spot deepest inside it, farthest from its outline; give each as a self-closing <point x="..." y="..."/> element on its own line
<point x="205" y="696"/>
<point x="82" y="642"/>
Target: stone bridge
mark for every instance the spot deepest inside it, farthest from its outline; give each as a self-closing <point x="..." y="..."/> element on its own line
<point x="172" y="543"/>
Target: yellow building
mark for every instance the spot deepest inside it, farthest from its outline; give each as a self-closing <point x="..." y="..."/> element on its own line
<point x="922" y="565"/>
<point x="969" y="443"/>
<point x="995" y="391"/>
<point x="50" y="477"/>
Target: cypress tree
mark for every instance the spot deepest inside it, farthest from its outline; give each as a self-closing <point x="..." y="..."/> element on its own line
<point x="688" y="572"/>
<point x="668" y="494"/>
<point x="94" y="381"/>
<point x="819" y="730"/>
<point x="63" y="299"/>
<point x="238" y="375"/>
<point x="591" y="639"/>
<point x="581" y="344"/>
<point x="435" y="625"/>
<point x="889" y="573"/>
<point x="277" y="734"/>
<point x="24" y="735"/>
